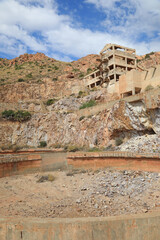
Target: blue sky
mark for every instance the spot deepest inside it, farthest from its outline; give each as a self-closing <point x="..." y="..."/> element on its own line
<point x="70" y="29"/>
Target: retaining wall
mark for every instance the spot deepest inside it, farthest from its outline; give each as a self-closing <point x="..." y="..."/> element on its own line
<point x="138" y="227"/>
<point x="117" y="160"/>
<point x="12" y="164"/>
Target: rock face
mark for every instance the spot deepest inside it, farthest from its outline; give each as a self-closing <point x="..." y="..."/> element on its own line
<point x="60" y="126"/>
<point x="149" y="60"/>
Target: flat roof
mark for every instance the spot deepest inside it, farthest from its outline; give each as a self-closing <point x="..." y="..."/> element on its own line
<point x="109" y="45"/>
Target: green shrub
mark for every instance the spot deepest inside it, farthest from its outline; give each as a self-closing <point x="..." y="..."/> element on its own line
<point x="89" y="70"/>
<point x="50" y="101"/>
<point x="81" y="75"/>
<point x="149" y="87"/>
<point x="42" y="144"/>
<point x="71" y="148"/>
<point x="49" y="70"/>
<point x="55" y="79"/>
<point x="29" y="75"/>
<point x="81" y="118"/>
<point x="94" y="149"/>
<point x="91" y="103"/>
<point x="16" y="116"/>
<point x="18" y="67"/>
<point x="139" y="60"/>
<point x="82" y="94"/>
<point x="20" y="80"/>
<point x="55" y="67"/>
<point x="118" y="141"/>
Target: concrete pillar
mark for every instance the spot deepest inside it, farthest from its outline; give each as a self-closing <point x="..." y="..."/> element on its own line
<point x="133" y="91"/>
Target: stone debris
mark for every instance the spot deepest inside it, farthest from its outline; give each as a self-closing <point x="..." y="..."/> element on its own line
<point x="97" y="193"/>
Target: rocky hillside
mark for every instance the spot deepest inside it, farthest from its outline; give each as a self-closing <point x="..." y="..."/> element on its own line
<point x="61" y="126"/>
<point x="34" y="68"/>
<point x="149" y="60"/>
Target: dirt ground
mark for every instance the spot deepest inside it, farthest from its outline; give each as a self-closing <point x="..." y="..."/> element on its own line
<point x="79" y="193"/>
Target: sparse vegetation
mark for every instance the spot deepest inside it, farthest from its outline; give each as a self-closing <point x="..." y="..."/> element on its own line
<point x="55" y="79"/>
<point x="91" y="103"/>
<point x="39" y="81"/>
<point x="147" y="56"/>
<point x="55" y="67"/>
<point x="20" y="80"/>
<point x="19" y="116"/>
<point x="149" y="87"/>
<point x="57" y="145"/>
<point x="118" y="141"/>
<point x="71" y="148"/>
<point x="81" y="75"/>
<point x="94" y="149"/>
<point x="46" y="178"/>
<point x="50" y="101"/>
<point x="89" y="70"/>
<point x="75" y="69"/>
<point x="12" y="147"/>
<point x="42" y="144"/>
<point x="18" y="67"/>
<point x="82" y="94"/>
<point x="29" y="75"/>
<point x="81" y="118"/>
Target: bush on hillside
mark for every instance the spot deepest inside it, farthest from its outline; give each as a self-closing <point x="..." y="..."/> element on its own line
<point x="118" y="141"/>
<point x="91" y="103"/>
<point x="20" y="80"/>
<point x="19" y="116"/>
<point x="149" y="87"/>
<point x="50" y="101"/>
<point x="42" y="144"/>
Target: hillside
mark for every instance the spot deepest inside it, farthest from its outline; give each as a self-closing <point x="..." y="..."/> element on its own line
<point x="149" y="60"/>
<point x="34" y="68"/>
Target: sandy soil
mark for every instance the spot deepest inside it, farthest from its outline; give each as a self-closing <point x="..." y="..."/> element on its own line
<point x="79" y="194"/>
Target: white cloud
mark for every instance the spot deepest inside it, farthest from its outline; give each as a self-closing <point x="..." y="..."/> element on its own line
<point x="38" y="26"/>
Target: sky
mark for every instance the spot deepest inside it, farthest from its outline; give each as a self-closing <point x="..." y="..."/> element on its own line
<point x="70" y="29"/>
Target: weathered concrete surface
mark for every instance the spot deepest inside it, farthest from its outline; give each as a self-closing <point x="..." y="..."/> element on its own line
<point x="53" y="160"/>
<point x="117" y="160"/>
<point x="12" y="164"/>
<point x="137" y="227"/>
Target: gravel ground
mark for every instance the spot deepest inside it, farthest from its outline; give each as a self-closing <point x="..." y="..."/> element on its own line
<point x="146" y="143"/>
<point x="78" y="193"/>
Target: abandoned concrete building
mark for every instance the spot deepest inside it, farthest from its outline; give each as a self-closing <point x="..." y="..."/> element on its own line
<point x="119" y="73"/>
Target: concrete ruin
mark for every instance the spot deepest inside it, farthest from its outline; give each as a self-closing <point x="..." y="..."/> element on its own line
<point x="119" y="73"/>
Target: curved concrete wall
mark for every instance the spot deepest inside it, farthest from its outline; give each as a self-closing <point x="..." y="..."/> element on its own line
<point x="138" y="227"/>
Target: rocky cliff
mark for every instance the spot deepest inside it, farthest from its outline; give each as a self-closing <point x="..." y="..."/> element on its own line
<point x="61" y="126"/>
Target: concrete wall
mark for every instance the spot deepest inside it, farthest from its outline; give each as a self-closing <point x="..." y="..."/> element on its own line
<point x="13" y="164"/>
<point x="135" y="79"/>
<point x="117" y="160"/>
<point x="53" y="161"/>
<point x="129" y="81"/>
<point x="137" y="227"/>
